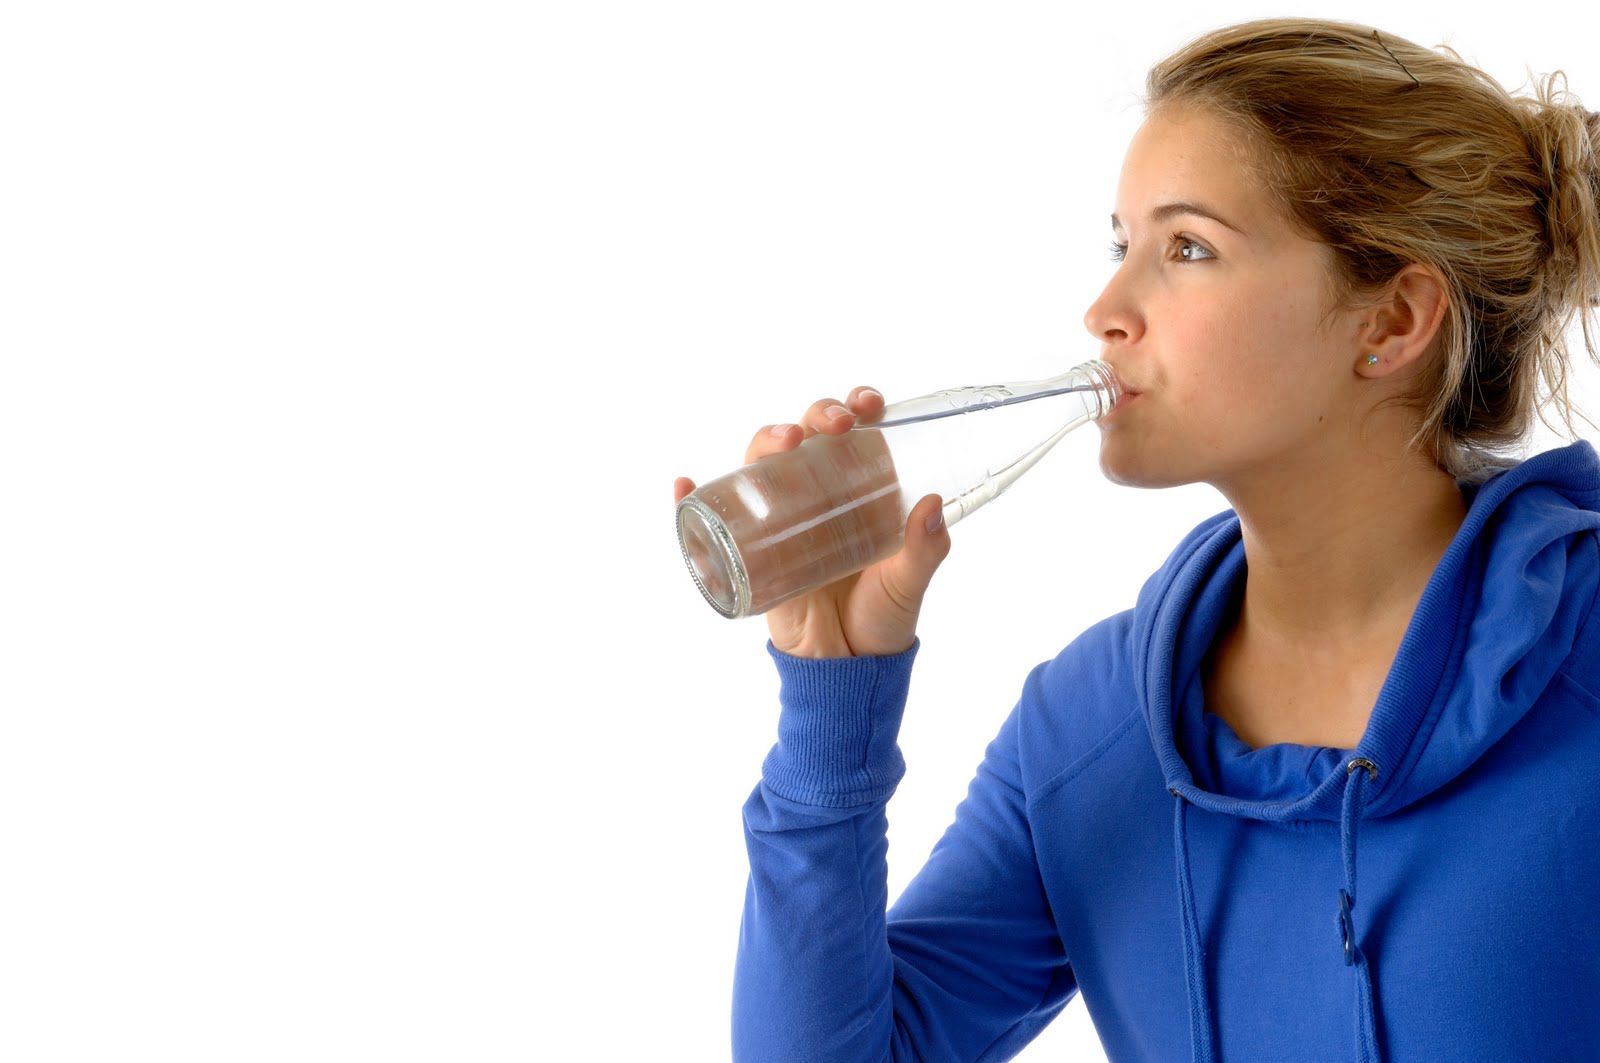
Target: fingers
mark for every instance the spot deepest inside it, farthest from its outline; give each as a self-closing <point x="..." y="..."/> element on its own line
<point x="867" y="404"/>
<point x="827" y="416"/>
<point x="681" y="488"/>
<point x="771" y="439"/>
<point x="834" y="417"/>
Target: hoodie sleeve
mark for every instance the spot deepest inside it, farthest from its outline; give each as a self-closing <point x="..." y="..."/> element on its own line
<point x="968" y="964"/>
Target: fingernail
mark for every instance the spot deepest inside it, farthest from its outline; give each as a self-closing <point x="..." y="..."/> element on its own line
<point x="836" y="411"/>
<point x="936" y="521"/>
<point x="781" y="429"/>
<point x="869" y="391"/>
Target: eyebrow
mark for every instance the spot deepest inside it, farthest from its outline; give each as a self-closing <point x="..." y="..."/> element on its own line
<point x="1168" y="210"/>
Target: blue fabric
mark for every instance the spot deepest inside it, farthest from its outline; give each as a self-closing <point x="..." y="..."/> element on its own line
<point x="1430" y="894"/>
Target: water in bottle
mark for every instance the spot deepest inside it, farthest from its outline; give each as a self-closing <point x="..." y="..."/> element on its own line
<point x="798" y="520"/>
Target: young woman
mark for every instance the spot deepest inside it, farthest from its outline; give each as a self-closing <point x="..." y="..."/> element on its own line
<point x="1331" y="789"/>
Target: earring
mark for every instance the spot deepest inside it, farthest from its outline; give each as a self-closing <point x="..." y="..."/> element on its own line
<point x="1372" y="359"/>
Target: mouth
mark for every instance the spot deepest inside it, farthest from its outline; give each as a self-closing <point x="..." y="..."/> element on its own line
<point x="1128" y="395"/>
<point x="1126" y="389"/>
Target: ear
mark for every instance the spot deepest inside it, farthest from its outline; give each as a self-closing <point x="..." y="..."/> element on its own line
<point x="1400" y="327"/>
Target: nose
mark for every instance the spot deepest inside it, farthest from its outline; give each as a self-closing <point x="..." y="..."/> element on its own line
<point x="1112" y="319"/>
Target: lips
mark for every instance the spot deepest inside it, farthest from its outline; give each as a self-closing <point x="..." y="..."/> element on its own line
<point x="1128" y="390"/>
<point x="1127" y="394"/>
<point x="1123" y="383"/>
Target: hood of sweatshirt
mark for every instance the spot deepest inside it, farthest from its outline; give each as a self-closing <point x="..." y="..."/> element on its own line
<point x="1495" y="623"/>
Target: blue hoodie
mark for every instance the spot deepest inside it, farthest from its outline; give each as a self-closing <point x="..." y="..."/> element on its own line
<point x="1429" y="895"/>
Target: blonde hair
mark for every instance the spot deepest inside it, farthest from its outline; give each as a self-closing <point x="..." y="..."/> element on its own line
<point x="1390" y="153"/>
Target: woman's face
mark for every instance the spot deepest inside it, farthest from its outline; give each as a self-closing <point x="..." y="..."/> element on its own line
<point x="1216" y="321"/>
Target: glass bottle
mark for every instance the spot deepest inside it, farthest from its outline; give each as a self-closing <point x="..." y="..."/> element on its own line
<point x="797" y="520"/>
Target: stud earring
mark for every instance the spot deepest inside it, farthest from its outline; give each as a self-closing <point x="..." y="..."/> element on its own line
<point x="1372" y="359"/>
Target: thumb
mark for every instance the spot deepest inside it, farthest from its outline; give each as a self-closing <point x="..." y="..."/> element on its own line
<point x="927" y="544"/>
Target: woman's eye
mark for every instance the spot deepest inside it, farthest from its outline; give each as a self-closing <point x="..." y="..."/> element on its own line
<point x="1188" y="250"/>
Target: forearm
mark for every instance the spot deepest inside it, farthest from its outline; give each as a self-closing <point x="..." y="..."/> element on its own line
<point x="814" y="974"/>
<point x="813" y="977"/>
<point x="969" y="965"/>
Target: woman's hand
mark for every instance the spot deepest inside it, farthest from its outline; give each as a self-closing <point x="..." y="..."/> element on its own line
<point x="873" y="612"/>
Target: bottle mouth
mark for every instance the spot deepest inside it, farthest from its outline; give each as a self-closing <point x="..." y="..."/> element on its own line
<point x="1108" y="390"/>
<point x="713" y="558"/>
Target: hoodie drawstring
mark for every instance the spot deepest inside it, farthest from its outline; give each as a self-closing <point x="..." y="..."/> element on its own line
<point x="1358" y="771"/>
<point x="1202" y="1029"/>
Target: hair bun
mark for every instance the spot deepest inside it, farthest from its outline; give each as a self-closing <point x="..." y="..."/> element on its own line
<point x="1564" y="137"/>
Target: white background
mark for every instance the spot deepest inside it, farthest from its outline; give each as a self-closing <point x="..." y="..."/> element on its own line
<point x="356" y="703"/>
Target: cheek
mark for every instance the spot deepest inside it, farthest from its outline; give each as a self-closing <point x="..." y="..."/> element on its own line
<point x="1260" y="343"/>
<point x="1262" y="327"/>
<point x="1221" y="360"/>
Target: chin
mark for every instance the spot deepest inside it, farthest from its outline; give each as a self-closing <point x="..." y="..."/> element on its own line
<point x="1121" y="465"/>
<point x="1128" y="469"/>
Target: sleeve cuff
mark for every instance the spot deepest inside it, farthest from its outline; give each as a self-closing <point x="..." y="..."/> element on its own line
<point x="838" y="728"/>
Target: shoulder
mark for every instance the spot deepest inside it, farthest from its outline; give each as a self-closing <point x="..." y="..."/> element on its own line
<point x="1090" y="697"/>
<point x="1541" y="545"/>
<point x="1082" y="700"/>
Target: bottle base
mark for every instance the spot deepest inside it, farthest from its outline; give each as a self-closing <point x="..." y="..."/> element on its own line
<point x="713" y="558"/>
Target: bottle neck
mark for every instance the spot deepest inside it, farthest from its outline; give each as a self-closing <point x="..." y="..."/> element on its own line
<point x="1094" y="380"/>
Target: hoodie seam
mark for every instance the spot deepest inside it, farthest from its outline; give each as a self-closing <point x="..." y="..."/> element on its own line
<point x="1082" y="764"/>
<point x="1589" y="699"/>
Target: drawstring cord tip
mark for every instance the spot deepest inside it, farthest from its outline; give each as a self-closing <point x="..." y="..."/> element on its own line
<point x="1347" y="930"/>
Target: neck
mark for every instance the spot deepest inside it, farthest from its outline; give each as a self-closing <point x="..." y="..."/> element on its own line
<point x="1345" y="561"/>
